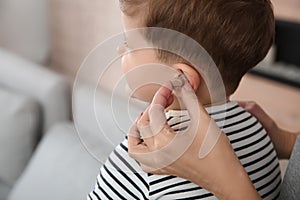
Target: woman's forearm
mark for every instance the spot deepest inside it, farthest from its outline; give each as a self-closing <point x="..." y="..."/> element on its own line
<point x="284" y="142"/>
<point x="236" y="184"/>
<point x="227" y="179"/>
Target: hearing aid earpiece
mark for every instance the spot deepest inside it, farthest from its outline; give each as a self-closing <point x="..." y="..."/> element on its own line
<point x="179" y="81"/>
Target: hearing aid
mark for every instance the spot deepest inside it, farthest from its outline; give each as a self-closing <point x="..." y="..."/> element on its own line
<point x="179" y="81"/>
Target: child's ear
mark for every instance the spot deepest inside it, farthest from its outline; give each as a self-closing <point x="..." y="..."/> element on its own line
<point x="192" y="75"/>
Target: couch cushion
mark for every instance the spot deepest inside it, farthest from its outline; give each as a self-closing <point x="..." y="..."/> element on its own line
<point x="103" y="117"/>
<point x="5" y="188"/>
<point x="61" y="168"/>
<point x="18" y="131"/>
<point x="49" y="89"/>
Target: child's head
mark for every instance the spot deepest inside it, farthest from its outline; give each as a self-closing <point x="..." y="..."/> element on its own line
<point x="236" y="33"/>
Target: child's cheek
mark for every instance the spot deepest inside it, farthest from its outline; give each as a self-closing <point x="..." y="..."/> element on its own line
<point x="140" y="81"/>
<point x="146" y="92"/>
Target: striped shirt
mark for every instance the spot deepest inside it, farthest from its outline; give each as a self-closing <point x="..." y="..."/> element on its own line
<point x="121" y="176"/>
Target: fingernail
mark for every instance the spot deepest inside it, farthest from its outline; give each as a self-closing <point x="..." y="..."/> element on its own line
<point x="139" y="117"/>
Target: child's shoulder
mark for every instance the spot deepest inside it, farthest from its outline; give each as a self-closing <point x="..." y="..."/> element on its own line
<point x="119" y="159"/>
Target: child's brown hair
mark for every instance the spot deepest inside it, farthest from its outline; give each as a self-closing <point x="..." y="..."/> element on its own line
<point x="236" y="33"/>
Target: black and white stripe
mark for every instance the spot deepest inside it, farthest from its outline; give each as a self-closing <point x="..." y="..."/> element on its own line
<point x="122" y="178"/>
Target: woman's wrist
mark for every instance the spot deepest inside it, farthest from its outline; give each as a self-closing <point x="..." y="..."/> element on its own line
<point x="232" y="182"/>
<point x="284" y="142"/>
<point x="290" y="143"/>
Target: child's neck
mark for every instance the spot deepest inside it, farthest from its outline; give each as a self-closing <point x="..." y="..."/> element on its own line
<point x="205" y="102"/>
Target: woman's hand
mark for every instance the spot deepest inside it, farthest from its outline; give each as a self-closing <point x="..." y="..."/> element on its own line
<point x="202" y="154"/>
<point x="283" y="140"/>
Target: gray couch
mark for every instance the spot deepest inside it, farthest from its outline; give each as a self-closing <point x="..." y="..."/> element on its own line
<point x="32" y="100"/>
<point x="60" y="168"/>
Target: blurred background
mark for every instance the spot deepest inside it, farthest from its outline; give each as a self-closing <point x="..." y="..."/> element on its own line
<point x="42" y="45"/>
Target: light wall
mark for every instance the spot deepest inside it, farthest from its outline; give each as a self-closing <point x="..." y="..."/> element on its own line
<point x="76" y="27"/>
<point x="24" y="28"/>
